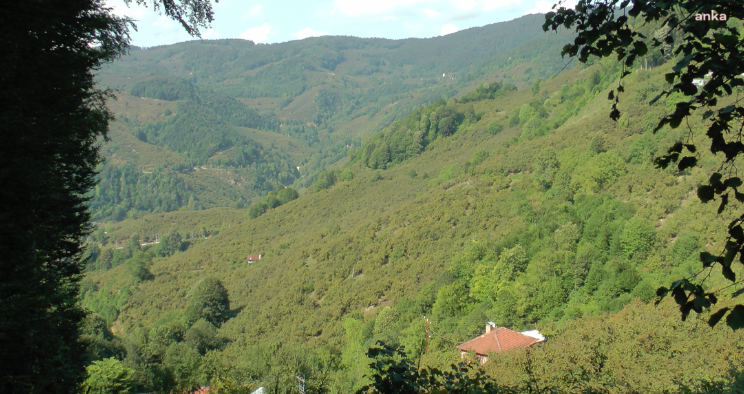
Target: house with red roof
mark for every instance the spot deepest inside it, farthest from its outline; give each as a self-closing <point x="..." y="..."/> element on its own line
<point x="498" y="340"/>
<point x="200" y="390"/>
<point x="253" y="257"/>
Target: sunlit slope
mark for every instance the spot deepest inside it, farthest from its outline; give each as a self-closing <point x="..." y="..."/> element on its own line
<point x="369" y="241"/>
<point x="222" y="123"/>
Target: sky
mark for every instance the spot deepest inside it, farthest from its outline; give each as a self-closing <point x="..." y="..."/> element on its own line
<point x="264" y="21"/>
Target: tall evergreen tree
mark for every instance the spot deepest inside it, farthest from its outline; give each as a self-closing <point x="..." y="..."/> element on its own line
<point x="51" y="119"/>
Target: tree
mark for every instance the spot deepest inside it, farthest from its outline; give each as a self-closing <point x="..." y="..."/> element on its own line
<point x="209" y="301"/>
<point x="544" y="166"/>
<point x="99" y="340"/>
<point x="191" y="14"/>
<point x="108" y="376"/>
<point x="52" y="118"/>
<point x="394" y="372"/>
<point x="386" y="320"/>
<point x="710" y="47"/>
<point x="169" y="244"/>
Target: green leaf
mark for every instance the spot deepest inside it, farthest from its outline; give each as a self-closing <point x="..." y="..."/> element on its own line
<point x="676" y="148"/>
<point x="675" y="121"/>
<point x="724" y="202"/>
<point x="680" y="65"/>
<point x="640" y="48"/>
<point x="727" y="109"/>
<point x="728" y="273"/>
<point x="717" y="316"/>
<point x="680" y="297"/>
<point x="686" y="162"/>
<point x="733" y="182"/>
<point x="715" y="178"/>
<point x="685" y="309"/>
<point x="705" y="193"/>
<point x="737" y="233"/>
<point x="735" y="319"/>
<point x="700" y="303"/>
<point x="707" y="258"/>
<point x="726" y="39"/>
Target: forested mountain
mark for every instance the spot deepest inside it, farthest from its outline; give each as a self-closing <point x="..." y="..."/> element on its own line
<point x="262" y="117"/>
<point x="504" y="194"/>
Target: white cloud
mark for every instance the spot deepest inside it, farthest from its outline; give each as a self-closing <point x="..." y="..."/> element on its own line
<point x="464" y="4"/>
<point x="308" y="32"/>
<point x="211" y="34"/>
<point x="449" y="29"/>
<point x="361" y="7"/>
<point x="133" y="11"/>
<point x="257" y="34"/>
<point x="254" y="11"/>
<point x="163" y="22"/>
<point x="493" y="4"/>
<point x="431" y="13"/>
<point x="543" y="6"/>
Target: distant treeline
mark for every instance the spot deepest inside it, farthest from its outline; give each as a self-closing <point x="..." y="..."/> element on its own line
<point x="121" y="190"/>
<point x="273" y="200"/>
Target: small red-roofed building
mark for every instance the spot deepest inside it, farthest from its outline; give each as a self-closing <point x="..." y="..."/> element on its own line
<point x="498" y="340"/>
<point x="253" y="257"/>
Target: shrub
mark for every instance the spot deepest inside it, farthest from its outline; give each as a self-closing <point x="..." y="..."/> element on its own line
<point x="347" y="175"/>
<point x="376" y="176"/>
<point x="494" y="127"/>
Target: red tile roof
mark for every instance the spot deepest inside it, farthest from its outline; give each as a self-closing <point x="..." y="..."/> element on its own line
<point x="200" y="390"/>
<point x="500" y="339"/>
<point x="254" y="257"/>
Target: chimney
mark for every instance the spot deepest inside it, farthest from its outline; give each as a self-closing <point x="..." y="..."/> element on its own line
<point x="490" y="326"/>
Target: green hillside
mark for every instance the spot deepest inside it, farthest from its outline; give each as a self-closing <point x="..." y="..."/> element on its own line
<point x="270" y="116"/>
<point x="512" y="199"/>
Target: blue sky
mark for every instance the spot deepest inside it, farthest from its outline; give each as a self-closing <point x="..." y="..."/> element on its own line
<point x="264" y="21"/>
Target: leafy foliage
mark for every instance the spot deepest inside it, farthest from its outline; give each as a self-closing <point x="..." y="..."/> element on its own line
<point x="108" y="376"/>
<point x="164" y="89"/>
<point x="395" y="373"/>
<point x="272" y="200"/>
<point x="122" y="190"/>
<point x="409" y="137"/>
<point x="209" y="301"/>
<point x="55" y="114"/>
<point x="704" y="50"/>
